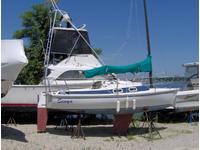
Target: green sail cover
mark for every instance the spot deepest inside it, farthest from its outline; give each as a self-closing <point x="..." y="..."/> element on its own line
<point x="143" y="66"/>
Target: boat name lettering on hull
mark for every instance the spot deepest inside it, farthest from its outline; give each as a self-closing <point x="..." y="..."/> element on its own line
<point x="60" y="100"/>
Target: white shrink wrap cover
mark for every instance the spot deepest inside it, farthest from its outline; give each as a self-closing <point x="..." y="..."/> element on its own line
<point x="13" y="59"/>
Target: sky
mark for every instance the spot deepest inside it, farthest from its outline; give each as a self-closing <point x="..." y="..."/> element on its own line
<point x="117" y="27"/>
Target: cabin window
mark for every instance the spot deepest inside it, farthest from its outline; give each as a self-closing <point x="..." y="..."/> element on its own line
<point x="117" y="91"/>
<point x="63" y="92"/>
<point x="97" y="85"/>
<point x="132" y="89"/>
<point x="72" y="74"/>
<point x="190" y="71"/>
<point x="64" y="40"/>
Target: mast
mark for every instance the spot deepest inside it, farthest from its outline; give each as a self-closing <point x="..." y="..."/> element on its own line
<point x="148" y="40"/>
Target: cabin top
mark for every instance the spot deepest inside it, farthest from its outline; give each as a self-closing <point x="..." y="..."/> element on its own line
<point x="192" y="64"/>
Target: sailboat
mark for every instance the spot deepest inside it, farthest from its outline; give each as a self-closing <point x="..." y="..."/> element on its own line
<point x="107" y="96"/>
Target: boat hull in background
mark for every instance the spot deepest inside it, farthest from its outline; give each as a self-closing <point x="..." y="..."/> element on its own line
<point x="187" y="100"/>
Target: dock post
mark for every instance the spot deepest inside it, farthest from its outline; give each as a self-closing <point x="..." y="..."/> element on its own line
<point x="42" y="113"/>
<point x="121" y="123"/>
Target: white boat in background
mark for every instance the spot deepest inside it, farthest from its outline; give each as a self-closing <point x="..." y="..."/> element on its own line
<point x="67" y="68"/>
<point x="13" y="59"/>
<point x="188" y="99"/>
<point x="192" y="75"/>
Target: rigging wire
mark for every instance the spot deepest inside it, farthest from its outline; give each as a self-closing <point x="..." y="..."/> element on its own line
<point x="128" y="30"/>
<point x="130" y="18"/>
<point x="138" y="33"/>
<point x="73" y="48"/>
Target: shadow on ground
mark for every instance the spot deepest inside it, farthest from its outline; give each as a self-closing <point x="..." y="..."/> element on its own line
<point x="99" y="131"/>
<point x="12" y="134"/>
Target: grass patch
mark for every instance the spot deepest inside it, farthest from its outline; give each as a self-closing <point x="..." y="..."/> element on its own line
<point x="130" y="137"/>
<point x="87" y="148"/>
<point x="195" y="123"/>
<point x="120" y="139"/>
<point x="112" y="138"/>
<point x="186" y="131"/>
<point x="135" y="123"/>
<point x="175" y="133"/>
<point x="181" y="131"/>
<point x="107" y="140"/>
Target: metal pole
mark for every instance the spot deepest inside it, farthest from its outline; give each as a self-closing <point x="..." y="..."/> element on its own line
<point x="148" y="40"/>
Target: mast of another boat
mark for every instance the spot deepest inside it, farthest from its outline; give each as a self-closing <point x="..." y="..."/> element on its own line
<point x="148" y="40"/>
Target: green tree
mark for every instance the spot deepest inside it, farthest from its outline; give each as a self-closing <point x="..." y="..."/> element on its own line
<point x="35" y="29"/>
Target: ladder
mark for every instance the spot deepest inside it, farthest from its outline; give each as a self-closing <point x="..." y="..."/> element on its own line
<point x="48" y="51"/>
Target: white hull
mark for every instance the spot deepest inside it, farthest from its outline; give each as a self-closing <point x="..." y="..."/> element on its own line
<point x="187" y="100"/>
<point x="28" y="94"/>
<point x="24" y="95"/>
<point x="153" y="99"/>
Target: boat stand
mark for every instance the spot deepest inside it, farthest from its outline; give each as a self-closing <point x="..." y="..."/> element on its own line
<point x="191" y="116"/>
<point x="63" y="122"/>
<point x="78" y="132"/>
<point x="148" y="123"/>
<point x="11" y="120"/>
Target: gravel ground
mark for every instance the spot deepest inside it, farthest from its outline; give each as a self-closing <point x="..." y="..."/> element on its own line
<point x="176" y="136"/>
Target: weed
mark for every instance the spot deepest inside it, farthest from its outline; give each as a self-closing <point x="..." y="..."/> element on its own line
<point x="130" y="137"/>
<point x="107" y="140"/>
<point x="86" y="148"/>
